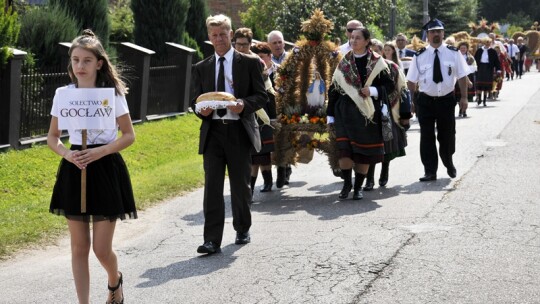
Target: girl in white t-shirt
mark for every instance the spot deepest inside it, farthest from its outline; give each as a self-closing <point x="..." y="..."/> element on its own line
<point x="108" y="187"/>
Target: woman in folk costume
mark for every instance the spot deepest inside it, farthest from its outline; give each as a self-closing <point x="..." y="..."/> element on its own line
<point x="488" y="63"/>
<point x="359" y="90"/>
<point x="505" y="68"/>
<point x="261" y="160"/>
<point x="463" y="48"/>
<point x="401" y="113"/>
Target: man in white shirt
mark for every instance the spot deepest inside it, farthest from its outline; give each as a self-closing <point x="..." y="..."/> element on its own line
<point x="435" y="70"/>
<point x="513" y="53"/>
<point x="227" y="136"/>
<point x="405" y="55"/>
<point x="277" y="45"/>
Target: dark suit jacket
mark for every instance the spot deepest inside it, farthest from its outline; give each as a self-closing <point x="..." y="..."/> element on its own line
<point x="248" y="85"/>
<point x="493" y="58"/>
<point x="408" y="52"/>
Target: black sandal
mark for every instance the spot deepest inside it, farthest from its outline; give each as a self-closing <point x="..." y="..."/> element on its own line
<point x="114" y="289"/>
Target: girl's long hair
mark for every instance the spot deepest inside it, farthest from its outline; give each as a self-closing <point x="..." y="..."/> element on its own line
<point x="107" y="76"/>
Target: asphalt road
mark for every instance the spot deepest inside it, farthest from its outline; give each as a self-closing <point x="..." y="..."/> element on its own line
<point x="473" y="239"/>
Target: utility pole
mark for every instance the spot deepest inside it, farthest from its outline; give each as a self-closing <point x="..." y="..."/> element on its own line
<point x="425" y="19"/>
<point x="426" y="12"/>
<point x="393" y="20"/>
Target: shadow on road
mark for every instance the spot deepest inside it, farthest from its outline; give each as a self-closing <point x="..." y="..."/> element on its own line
<point x="322" y="200"/>
<point x="196" y="266"/>
<point x="325" y="207"/>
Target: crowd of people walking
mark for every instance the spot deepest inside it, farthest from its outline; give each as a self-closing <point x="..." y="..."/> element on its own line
<point x="375" y="90"/>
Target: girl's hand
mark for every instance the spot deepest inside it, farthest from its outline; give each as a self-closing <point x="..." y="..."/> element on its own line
<point x="70" y="156"/>
<point x="85" y="157"/>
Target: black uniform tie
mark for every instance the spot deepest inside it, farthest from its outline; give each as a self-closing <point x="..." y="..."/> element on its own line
<point x="221" y="84"/>
<point x="400" y="53"/>
<point x="437" y="74"/>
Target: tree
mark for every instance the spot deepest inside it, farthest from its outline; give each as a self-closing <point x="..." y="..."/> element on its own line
<point x="519" y="19"/>
<point x="455" y="14"/>
<point x="500" y="9"/>
<point x="196" y="21"/>
<point x="42" y="29"/>
<point x="122" y="23"/>
<point x="159" y="21"/>
<point x="9" y="31"/>
<point x="91" y="14"/>
<point x="263" y="16"/>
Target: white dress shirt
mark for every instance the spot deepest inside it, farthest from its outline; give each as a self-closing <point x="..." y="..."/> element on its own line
<point x="227" y="65"/>
<point x="513" y="50"/>
<point x="405" y="64"/>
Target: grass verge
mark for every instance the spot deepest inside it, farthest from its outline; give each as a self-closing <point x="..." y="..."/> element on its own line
<point x="163" y="162"/>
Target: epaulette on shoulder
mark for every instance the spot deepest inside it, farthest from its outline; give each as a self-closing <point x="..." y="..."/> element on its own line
<point x="451" y="47"/>
<point x="420" y="51"/>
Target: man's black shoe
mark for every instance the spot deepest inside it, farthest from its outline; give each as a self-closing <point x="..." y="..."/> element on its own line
<point x="242" y="238"/>
<point x="428" y="177"/>
<point x="452" y="172"/>
<point x="208" y="248"/>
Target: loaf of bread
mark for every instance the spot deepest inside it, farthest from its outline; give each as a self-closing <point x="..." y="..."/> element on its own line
<point x="216" y="96"/>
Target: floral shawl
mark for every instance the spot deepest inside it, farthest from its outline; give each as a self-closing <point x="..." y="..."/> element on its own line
<point x="347" y="80"/>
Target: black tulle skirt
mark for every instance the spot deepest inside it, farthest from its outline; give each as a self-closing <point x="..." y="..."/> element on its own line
<point x="109" y="195"/>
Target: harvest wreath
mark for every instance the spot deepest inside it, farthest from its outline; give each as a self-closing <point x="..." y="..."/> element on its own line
<point x="307" y="70"/>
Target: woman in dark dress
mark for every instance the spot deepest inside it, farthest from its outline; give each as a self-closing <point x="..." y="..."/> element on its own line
<point x="358" y="91"/>
<point x="262" y="160"/>
<point x="488" y="62"/>
<point x="463" y="48"/>
<point x="401" y="113"/>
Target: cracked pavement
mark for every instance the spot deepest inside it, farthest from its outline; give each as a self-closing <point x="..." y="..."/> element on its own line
<point x="473" y="239"/>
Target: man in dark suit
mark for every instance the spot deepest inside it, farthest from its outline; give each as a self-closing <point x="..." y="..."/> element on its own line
<point x="227" y="136"/>
<point x="404" y="54"/>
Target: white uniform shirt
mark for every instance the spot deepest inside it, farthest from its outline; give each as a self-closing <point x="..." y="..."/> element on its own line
<point x="94" y="136"/>
<point x="453" y="67"/>
<point x="227" y="65"/>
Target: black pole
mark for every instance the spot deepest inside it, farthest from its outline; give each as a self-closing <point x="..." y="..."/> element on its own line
<point x="393" y="20"/>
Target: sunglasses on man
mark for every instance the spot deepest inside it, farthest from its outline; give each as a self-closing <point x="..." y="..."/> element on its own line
<point x="350" y="30"/>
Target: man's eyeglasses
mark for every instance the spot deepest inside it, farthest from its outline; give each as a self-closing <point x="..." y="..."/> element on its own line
<point x="350" y="30"/>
